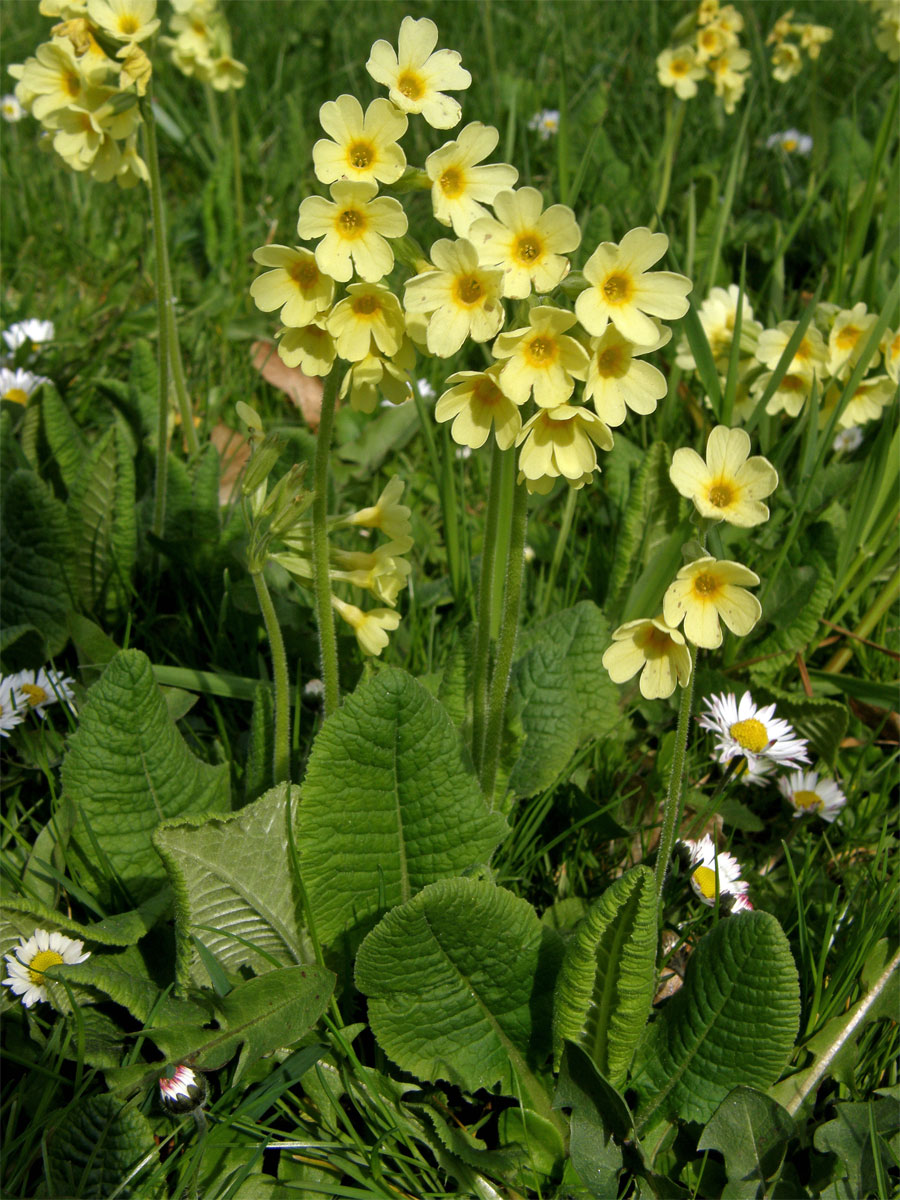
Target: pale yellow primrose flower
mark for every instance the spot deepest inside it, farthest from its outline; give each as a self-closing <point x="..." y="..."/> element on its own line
<point x="616" y="378"/>
<point x="125" y="20"/>
<point x="311" y="348"/>
<point x="416" y="76"/>
<point x="528" y="244"/>
<point x="809" y="357"/>
<point x="296" y="285"/>
<point x="624" y="292"/>
<point x="560" y="441"/>
<point x="728" y="485"/>
<point x="353" y="226"/>
<point x="718" y="314"/>
<point x="374" y="377"/>
<point x="813" y="38"/>
<point x="786" y="62"/>
<point x="871" y="396"/>
<point x="363" y="147"/>
<point x="651" y="647"/>
<point x="460" y="188"/>
<point x="890" y="348"/>
<point x="461" y="298"/>
<point x="476" y="403"/>
<point x="728" y="75"/>
<point x="678" y="68"/>
<point x="845" y="342"/>
<point x="541" y="358"/>
<point x="370" y="317"/>
<point x="789" y="396"/>
<point x="386" y="514"/>
<point x="370" y="627"/>
<point x="705" y="591"/>
<point x="50" y="81"/>
<point x="714" y="40"/>
<point x="887" y="37"/>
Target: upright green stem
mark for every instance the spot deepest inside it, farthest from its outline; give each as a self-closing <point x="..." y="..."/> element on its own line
<point x="672" y="812"/>
<point x="507" y="644"/>
<point x="212" y="108"/>
<point x="281" y="759"/>
<point x="673" y="136"/>
<point x="176" y="367"/>
<point x="481" y="665"/>
<point x="236" y="162"/>
<point x="562" y="537"/>
<point x="324" y="611"/>
<point x="160" y="271"/>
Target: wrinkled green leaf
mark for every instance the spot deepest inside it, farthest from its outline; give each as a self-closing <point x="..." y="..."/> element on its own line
<point x="65" y="439"/>
<point x="93" y="1146"/>
<point x="598" y="1114"/>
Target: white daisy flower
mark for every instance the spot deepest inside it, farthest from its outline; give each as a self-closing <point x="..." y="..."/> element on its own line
<point x="184" y="1091"/>
<point x="711" y="871"/>
<point x="314" y="689"/>
<point x="546" y="122"/>
<point x="807" y="793"/>
<point x="790" y="141"/>
<point x="29" y="960"/>
<point x="37" y="689"/>
<point x="744" y="729"/>
<point x="10" y="714"/>
<point x="31" y="332"/>
<point x="19" y="384"/>
<point x="847" y="440"/>
<point x="10" y="109"/>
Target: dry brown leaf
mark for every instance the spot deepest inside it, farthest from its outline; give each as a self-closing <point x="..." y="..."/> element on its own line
<point x="300" y="389"/>
<point x="234" y="450"/>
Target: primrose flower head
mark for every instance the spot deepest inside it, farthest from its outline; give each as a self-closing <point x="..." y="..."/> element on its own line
<point x="459" y="186"/>
<point x="618" y="380"/>
<point x="561" y="441"/>
<point x="527" y="243"/>
<point x="125" y="20"/>
<point x="363" y="147"/>
<point x="353" y="226"/>
<point x="476" y="404"/>
<point x="28" y="961"/>
<point x="651" y="647"/>
<point x="417" y="74"/>
<point x="460" y="297"/>
<point x="715" y="874"/>
<point x="705" y="591"/>
<point x="847" y="338"/>
<point x="624" y="292"/>
<point x="680" y="69"/>
<point x="742" y="728"/>
<point x="387" y="514"/>
<point x="371" y="628"/>
<point x="542" y="358"/>
<point x="295" y="285"/>
<point x="728" y="485"/>
<point x="808" y="794"/>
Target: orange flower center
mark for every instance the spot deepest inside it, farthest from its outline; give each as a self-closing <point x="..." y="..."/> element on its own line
<point x="452" y="183"/>
<point x="365" y="305"/>
<point x="617" y="288"/>
<point x="128" y="24"/>
<point x="352" y="223"/>
<point x="611" y="362"/>
<point x="541" y="351"/>
<point x="486" y="393"/>
<point x="528" y="248"/>
<point x="411" y="85"/>
<point x="304" y="273"/>
<point x="360" y="155"/>
<point x="721" y="494"/>
<point x="848" y="337"/>
<point x="469" y="290"/>
<point x="706" y="585"/>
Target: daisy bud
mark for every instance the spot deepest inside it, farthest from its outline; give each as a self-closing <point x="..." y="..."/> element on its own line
<point x="183" y="1091"/>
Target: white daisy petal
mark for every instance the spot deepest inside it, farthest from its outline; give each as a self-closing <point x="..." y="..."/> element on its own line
<point x="745" y="730"/>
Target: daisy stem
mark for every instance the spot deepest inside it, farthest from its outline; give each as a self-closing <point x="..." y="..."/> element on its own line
<point x="324" y="611"/>
<point x="509" y="629"/>
<point x="281" y="758"/>
<point x="485" y="606"/>
<point x="672" y="812"/>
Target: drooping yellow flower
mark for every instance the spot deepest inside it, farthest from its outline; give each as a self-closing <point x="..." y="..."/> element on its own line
<point x="845" y="342"/>
<point x="541" y="358"/>
<point x="705" y="591"/>
<point x="729" y="75"/>
<point x="476" y="404"/>
<point x="809" y="357"/>
<point x="460" y="297"/>
<point x="678" y="68"/>
<point x="562" y="441"/>
<point x="417" y="74"/>
<point x="460" y="188"/>
<point x="528" y="244"/>
<point x="386" y="514"/>
<point x="618" y="379"/>
<point x="651" y="647"/>
<point x="375" y="377"/>
<point x="813" y="38"/>
<point x="624" y="292"/>
<point x="369" y="318"/>
<point x="729" y="485"/>
<point x="866" y="404"/>
<point x="786" y="62"/>
<point x="310" y="348"/>
<point x="125" y="20"/>
<point x="371" y="628"/>
<point x="353" y="226"/>
<point x="296" y="285"/>
<point x="363" y="147"/>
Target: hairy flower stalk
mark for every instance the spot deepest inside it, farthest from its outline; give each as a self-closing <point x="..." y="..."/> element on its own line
<point x="323" y="606"/>
<point x="672" y="810"/>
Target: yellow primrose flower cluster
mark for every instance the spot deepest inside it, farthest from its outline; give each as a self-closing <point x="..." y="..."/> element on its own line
<point x="827" y="354"/>
<point x="787" y="57"/>
<point x="708" y="47"/>
<point x="334" y="302"/>
<point x="727" y="485"/>
<point x="201" y="45"/>
<point x="83" y="84"/>
<point x="887" y="35"/>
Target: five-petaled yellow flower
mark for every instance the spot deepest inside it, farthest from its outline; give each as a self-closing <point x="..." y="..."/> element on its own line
<point x="416" y="73"/>
<point x="729" y="485"/>
<point x="353" y="226"/>
<point x="296" y="285"/>
<point x="561" y="441"/>
<point x="461" y="298"/>
<point x="459" y="187"/>
<point x="541" y="358"/>
<point x="476" y="403"/>
<point x="617" y="379"/>
<point x="651" y="647"/>
<point x="363" y="147"/>
<point x="369" y="314"/>
<point x="704" y="591"/>
<point x="528" y="244"/>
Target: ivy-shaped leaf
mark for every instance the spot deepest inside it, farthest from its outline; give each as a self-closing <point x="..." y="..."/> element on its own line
<point x="128" y="769"/>
<point x="234" y="888"/>
<point x="93" y="1146"/>
<point x="459" y="982"/>
<point x="732" y="1022"/>
<point x="389" y="805"/>
<point x="605" y="986"/>
<point x="849" y="1136"/>
<point x="751" y="1131"/>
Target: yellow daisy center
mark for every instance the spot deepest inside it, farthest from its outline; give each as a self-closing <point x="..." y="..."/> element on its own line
<point x="128" y="24"/>
<point x="752" y="735"/>
<point x="41" y="961"/>
<point x="527" y="249"/>
<point x="365" y="306"/>
<point x="360" y="154"/>
<point x="351" y="223"/>
<point x="808" y="801"/>
<point x="617" y="288"/>
<point x="706" y="585"/>
<point x="541" y="351"/>
<point x="848" y="337"/>
<point x="34" y="695"/>
<point x="411" y="84"/>
<point x="469" y="290"/>
<point x="452" y="183"/>
<point x="17" y="395"/>
<point x="611" y="362"/>
<point x="789" y="144"/>
<point x="705" y="879"/>
<point x="486" y="393"/>
<point x="721" y="494"/>
<point x="304" y="273"/>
